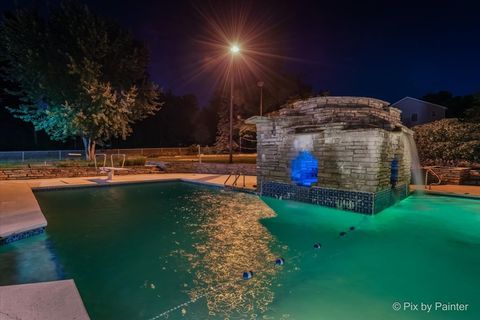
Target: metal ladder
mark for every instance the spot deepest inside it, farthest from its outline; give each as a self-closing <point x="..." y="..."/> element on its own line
<point x="427" y="185"/>
<point x="236" y="175"/>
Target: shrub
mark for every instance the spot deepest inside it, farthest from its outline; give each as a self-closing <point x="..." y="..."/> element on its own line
<point x="75" y="163"/>
<point x="448" y="142"/>
<point x="137" y="161"/>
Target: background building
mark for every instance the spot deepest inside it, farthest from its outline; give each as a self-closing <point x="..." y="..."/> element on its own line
<point x="415" y="111"/>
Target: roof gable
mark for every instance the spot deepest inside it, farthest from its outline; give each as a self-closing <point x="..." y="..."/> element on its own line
<point x="418" y="100"/>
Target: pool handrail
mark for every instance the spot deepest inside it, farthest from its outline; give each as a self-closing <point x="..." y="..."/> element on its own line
<point x="236" y="175"/>
<point x="429" y="186"/>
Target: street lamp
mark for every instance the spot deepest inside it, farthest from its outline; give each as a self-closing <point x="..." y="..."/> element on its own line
<point x="260" y="84"/>
<point x="234" y="49"/>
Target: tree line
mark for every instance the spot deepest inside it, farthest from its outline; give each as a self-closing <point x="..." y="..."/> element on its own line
<point x="72" y="78"/>
<point x="466" y="107"/>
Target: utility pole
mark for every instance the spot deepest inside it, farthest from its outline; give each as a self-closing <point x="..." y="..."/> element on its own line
<point x="230" y="144"/>
<point x="260" y="84"/>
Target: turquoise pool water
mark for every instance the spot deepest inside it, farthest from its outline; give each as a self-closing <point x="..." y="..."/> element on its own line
<point x="136" y="251"/>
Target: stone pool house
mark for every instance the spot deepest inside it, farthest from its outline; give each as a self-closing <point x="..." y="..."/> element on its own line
<point x="351" y="153"/>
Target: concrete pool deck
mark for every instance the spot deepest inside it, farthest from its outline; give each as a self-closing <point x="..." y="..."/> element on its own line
<point x="19" y="210"/>
<point x="55" y="300"/>
<point x="450" y="190"/>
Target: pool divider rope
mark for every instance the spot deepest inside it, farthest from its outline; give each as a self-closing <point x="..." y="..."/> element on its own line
<point x="247" y="275"/>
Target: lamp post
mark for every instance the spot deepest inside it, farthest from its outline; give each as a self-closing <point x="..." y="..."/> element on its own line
<point x="260" y="84"/>
<point x="234" y="49"/>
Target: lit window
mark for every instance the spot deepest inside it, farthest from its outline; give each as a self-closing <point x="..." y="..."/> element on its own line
<point x="414" y="117"/>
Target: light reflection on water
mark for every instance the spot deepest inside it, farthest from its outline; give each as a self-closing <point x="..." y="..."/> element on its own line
<point x="229" y="241"/>
<point x="135" y="252"/>
<point x="29" y="260"/>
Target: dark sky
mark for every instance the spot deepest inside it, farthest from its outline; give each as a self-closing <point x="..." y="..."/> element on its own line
<point x="382" y="49"/>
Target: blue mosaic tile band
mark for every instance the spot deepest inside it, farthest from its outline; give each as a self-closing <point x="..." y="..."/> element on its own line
<point x="389" y="197"/>
<point x="21" y="235"/>
<point x="357" y="201"/>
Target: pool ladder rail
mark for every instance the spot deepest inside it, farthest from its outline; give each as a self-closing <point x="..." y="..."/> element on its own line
<point x="236" y="176"/>
<point x="427" y="185"/>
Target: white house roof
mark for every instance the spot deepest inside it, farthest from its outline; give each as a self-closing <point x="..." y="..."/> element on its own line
<point x="418" y="100"/>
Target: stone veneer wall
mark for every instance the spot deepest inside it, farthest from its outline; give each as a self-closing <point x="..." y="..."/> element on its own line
<point x="356" y="111"/>
<point x="354" y="140"/>
<point x="357" y="159"/>
<point x="449" y="175"/>
<point x="172" y="167"/>
<point x="473" y="178"/>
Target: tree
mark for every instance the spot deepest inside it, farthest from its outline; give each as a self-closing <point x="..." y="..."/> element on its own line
<point x="78" y="75"/>
<point x="221" y="103"/>
<point x="175" y="124"/>
<point x="206" y="121"/>
<point x="457" y="105"/>
<point x="473" y="112"/>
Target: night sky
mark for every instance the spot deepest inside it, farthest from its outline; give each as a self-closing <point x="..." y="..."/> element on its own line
<point x="382" y="49"/>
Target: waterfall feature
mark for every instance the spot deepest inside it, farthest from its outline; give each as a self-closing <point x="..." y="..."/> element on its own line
<point x="411" y="148"/>
<point x="350" y="153"/>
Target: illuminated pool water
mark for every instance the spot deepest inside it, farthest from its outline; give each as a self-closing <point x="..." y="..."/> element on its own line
<point x="138" y="250"/>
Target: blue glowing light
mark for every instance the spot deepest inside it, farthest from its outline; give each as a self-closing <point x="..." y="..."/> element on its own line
<point x="304" y="169"/>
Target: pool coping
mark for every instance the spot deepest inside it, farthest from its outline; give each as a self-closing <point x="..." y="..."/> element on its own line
<point x="53" y="300"/>
<point x="445" y="194"/>
<point x="123" y="183"/>
<point x="20" y="212"/>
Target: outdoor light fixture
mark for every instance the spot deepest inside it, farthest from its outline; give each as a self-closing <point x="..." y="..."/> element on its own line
<point x="234" y="49"/>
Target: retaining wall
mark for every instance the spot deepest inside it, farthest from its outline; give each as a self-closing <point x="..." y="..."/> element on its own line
<point x="456" y="175"/>
<point x="171" y="167"/>
<point x="219" y="168"/>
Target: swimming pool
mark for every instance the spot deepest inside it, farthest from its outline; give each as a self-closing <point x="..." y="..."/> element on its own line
<point x="136" y="251"/>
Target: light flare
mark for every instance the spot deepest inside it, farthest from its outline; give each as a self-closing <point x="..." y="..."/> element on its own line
<point x="238" y="37"/>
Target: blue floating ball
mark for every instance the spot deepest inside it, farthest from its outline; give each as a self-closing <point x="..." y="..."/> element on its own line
<point x="317" y="246"/>
<point x="247" y="275"/>
<point x="279" y="262"/>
